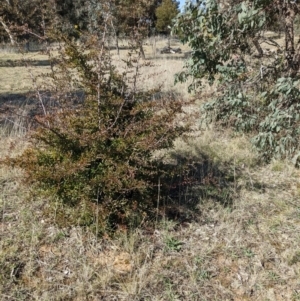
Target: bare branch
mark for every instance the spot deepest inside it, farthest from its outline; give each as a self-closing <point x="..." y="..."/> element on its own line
<point x="6" y="28"/>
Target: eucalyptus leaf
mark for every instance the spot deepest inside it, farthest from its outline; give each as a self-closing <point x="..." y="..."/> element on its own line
<point x="261" y="92"/>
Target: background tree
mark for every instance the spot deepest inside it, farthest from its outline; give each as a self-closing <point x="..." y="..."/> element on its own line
<point x="80" y="16"/>
<point x="74" y="18"/>
<point x="134" y="19"/>
<point x="257" y="92"/>
<point x="23" y="18"/>
<point x="165" y="13"/>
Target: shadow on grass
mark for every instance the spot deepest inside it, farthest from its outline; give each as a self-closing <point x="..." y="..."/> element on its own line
<point x="19" y="109"/>
<point x="166" y="57"/>
<point x="26" y="105"/>
<point x="25" y="63"/>
<point x="190" y="182"/>
<point x="256" y="186"/>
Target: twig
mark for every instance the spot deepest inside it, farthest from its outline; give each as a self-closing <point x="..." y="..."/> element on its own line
<point x="158" y="200"/>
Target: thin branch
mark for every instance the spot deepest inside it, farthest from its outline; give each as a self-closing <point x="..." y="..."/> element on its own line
<point x="99" y="70"/>
<point x="12" y="40"/>
<point x="37" y="92"/>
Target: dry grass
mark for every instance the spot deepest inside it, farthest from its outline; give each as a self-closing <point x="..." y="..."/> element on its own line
<point x="17" y="71"/>
<point x="246" y="250"/>
<point x="18" y="79"/>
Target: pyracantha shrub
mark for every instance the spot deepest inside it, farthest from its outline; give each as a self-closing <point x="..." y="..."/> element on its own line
<point x="93" y="147"/>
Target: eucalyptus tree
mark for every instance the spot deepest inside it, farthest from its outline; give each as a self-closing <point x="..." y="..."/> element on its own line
<point x="257" y="77"/>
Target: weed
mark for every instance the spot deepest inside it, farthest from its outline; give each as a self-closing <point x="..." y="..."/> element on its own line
<point x="203" y="275"/>
<point x="295" y="259"/>
<point x="173" y="244"/>
<point x="248" y="253"/>
<point x="170" y="292"/>
<point x="274" y="277"/>
<point x="296" y="296"/>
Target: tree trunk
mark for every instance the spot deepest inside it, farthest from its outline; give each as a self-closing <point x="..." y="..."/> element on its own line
<point x="142" y="52"/>
<point x="117" y="45"/>
<point x="116" y="38"/>
<point x="154" y="46"/>
<point x="12" y="40"/>
<point x="290" y="10"/>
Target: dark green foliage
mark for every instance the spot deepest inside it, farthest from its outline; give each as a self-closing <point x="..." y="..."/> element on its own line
<point x="78" y="16"/>
<point x="257" y="93"/>
<point x="165" y="13"/>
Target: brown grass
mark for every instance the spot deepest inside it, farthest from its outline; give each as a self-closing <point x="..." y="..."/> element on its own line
<point x="246" y="250"/>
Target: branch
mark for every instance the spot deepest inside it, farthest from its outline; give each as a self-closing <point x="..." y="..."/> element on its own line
<point x="12" y="41"/>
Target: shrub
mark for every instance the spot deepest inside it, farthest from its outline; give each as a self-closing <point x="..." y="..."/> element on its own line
<point x="92" y="149"/>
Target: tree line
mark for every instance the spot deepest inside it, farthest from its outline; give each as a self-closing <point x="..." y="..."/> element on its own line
<point x="23" y="19"/>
